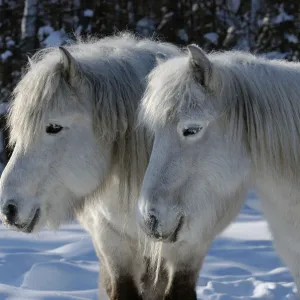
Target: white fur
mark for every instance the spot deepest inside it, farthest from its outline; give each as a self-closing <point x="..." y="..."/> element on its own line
<point x="249" y="111"/>
<point x="94" y="167"/>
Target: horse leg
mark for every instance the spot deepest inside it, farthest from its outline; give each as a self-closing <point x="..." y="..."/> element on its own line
<point x="125" y="289"/>
<point x="120" y="265"/>
<point x="180" y="285"/>
<point x="185" y="257"/>
<point x="121" y="285"/>
<point x="291" y="258"/>
<point x="104" y="279"/>
<point x="183" y="263"/>
<point x="154" y="288"/>
<point x="284" y="224"/>
<point x="183" y="286"/>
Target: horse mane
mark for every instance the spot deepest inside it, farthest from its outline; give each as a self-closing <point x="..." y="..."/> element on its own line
<point x="113" y="70"/>
<point x="256" y="99"/>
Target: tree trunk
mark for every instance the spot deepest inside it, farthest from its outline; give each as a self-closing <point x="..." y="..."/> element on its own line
<point x="255" y="6"/>
<point x="28" y="27"/>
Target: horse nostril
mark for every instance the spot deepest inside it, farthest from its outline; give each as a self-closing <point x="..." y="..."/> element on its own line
<point x="153" y="223"/>
<point x="10" y="211"/>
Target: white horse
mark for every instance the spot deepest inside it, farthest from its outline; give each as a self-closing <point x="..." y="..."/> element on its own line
<point x="77" y="151"/>
<point x="222" y="121"/>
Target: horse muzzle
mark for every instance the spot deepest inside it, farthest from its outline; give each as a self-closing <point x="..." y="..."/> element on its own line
<point x="160" y="226"/>
<point x="10" y="216"/>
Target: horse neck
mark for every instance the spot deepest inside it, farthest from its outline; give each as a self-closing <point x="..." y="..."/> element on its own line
<point x="116" y="97"/>
<point x="269" y="117"/>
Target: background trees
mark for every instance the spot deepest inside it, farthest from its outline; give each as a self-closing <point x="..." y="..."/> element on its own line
<point x="262" y="26"/>
<point x="270" y="27"/>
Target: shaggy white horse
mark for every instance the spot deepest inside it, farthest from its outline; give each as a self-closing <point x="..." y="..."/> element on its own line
<point x="77" y="151"/>
<point x="222" y="121"/>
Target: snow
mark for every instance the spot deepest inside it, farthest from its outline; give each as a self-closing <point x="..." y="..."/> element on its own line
<point x="50" y="37"/>
<point x="145" y="22"/>
<point x="55" y="38"/>
<point x="195" y="7"/>
<point x="212" y="37"/>
<point x="44" y="31"/>
<point x="145" y="26"/>
<point x="241" y="264"/>
<point x="282" y="16"/>
<point x="78" y="30"/>
<point x="88" y="13"/>
<point x="183" y="35"/>
<point x="5" y="55"/>
<point x="291" y="38"/>
<point x="233" y="5"/>
<point x="10" y="42"/>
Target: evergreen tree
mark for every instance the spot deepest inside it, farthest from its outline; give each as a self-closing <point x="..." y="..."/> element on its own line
<point x="270" y="27"/>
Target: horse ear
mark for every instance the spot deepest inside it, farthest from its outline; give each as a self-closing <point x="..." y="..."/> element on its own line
<point x="200" y="63"/>
<point x="70" y="67"/>
<point x="160" y="58"/>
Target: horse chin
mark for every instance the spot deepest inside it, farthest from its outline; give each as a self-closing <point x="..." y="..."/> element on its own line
<point x="31" y="225"/>
<point x="169" y="238"/>
<point x="34" y="221"/>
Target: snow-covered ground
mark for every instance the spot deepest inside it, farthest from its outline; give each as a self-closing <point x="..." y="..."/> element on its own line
<point x="240" y="265"/>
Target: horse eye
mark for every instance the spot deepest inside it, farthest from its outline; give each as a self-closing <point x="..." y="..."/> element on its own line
<point x="191" y="131"/>
<point x="53" y="128"/>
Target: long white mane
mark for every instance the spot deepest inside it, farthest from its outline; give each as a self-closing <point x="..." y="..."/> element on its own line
<point x="256" y="99"/>
<point x="113" y="72"/>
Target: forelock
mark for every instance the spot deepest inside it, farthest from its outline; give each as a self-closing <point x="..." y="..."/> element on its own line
<point x="170" y="91"/>
<point x="36" y="95"/>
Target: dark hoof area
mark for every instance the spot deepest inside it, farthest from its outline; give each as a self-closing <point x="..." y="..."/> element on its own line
<point x="125" y="289"/>
<point x="183" y="287"/>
